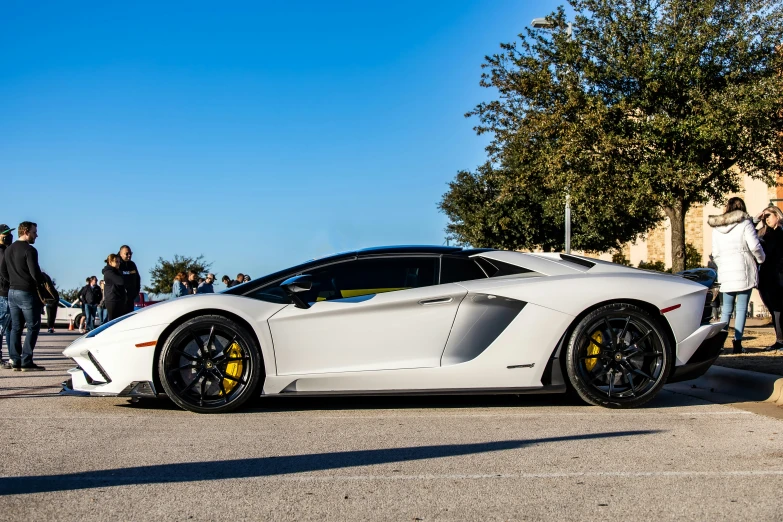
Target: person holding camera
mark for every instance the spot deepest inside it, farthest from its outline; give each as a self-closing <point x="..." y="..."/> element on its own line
<point x="771" y="270"/>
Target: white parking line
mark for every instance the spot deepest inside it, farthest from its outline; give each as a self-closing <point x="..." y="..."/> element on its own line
<point x="528" y="476"/>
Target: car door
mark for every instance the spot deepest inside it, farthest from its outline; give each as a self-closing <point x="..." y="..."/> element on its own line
<point x="368" y="314"/>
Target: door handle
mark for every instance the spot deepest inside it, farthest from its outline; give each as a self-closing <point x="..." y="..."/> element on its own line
<point x="435" y="300"/>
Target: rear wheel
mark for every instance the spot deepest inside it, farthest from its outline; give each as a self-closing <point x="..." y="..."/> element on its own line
<point x="210" y="364"/>
<point x="618" y="357"/>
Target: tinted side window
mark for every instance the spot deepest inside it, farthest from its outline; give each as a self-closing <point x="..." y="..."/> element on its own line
<point x="455" y="269"/>
<point x="495" y="268"/>
<point x="371" y="276"/>
<point x="272" y="294"/>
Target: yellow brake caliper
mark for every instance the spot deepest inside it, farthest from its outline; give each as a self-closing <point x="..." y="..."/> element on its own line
<point x="593" y="349"/>
<point x="233" y="368"/>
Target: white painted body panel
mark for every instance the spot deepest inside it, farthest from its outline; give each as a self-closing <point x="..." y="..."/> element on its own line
<point x="391" y="342"/>
<point x="520" y="344"/>
<point x="385" y="332"/>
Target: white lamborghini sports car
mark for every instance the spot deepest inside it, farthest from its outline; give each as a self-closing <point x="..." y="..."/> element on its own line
<point x="402" y="320"/>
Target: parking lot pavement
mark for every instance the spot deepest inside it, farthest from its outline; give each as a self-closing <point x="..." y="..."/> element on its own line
<point x="459" y="458"/>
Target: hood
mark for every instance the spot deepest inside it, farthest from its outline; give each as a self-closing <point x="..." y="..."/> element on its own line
<point x="726" y="222"/>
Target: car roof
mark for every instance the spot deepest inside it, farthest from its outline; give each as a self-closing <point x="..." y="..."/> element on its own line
<point x="351" y="254"/>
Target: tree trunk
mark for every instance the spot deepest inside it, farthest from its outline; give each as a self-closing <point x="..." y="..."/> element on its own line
<point x="676" y="215"/>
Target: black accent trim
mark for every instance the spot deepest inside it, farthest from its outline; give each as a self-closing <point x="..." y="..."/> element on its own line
<point x="139" y="389"/>
<point x="442" y="391"/>
<point x="577" y="260"/>
<point x="99" y="367"/>
<point x="701" y="360"/>
<point x="553" y="372"/>
<point x="480" y="320"/>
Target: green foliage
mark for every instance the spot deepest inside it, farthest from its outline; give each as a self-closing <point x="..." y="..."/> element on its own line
<point x="650" y="108"/>
<point x="70" y="295"/>
<point x="658" y="266"/>
<point x="692" y="256"/>
<point x="163" y="273"/>
<point x="619" y="258"/>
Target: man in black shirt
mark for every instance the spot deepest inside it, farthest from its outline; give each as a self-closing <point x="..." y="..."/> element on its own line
<point x="91" y="295"/>
<point x="20" y="268"/>
<point x="130" y="276"/>
<point x="6" y="238"/>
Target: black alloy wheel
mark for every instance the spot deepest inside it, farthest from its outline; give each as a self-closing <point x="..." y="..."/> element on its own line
<point x="618" y="357"/>
<point x="210" y="364"/>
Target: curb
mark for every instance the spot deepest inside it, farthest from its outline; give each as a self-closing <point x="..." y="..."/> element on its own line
<point x="725" y="385"/>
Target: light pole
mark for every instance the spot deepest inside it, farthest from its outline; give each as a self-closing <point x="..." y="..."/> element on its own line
<point x="545" y="23"/>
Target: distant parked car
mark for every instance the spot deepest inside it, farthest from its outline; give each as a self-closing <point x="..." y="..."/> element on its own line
<point x="65" y="312"/>
<point x="143" y="300"/>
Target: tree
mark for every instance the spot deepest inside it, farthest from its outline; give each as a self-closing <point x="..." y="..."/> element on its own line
<point x="692" y="256"/>
<point x="619" y="258"/>
<point x="70" y="295"/>
<point x="671" y="99"/>
<point x="658" y="266"/>
<point x="520" y="206"/>
<point x="163" y="273"/>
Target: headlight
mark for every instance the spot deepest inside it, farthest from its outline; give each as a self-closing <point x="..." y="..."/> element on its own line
<point x="102" y="327"/>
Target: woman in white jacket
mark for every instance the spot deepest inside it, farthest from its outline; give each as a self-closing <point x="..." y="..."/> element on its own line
<point x="737" y="252"/>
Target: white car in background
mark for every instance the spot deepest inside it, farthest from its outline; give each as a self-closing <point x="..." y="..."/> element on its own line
<point x="65" y="313"/>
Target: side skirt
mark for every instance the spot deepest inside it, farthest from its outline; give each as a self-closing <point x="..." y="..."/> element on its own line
<point x="553" y="388"/>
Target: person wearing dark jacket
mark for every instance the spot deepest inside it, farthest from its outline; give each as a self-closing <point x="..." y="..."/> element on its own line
<point x="115" y="296"/>
<point x="91" y="296"/>
<point x="20" y="268"/>
<point x="771" y="270"/>
<point x="131" y="277"/>
<point x="6" y="238"/>
<point x="51" y="300"/>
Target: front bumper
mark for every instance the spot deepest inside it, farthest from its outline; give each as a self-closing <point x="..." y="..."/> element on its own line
<point x="118" y="364"/>
<point x="80" y="384"/>
<point x="705" y="355"/>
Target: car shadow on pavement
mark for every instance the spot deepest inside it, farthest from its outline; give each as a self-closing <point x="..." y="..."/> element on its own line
<point x="271" y="466"/>
<point x="276" y="403"/>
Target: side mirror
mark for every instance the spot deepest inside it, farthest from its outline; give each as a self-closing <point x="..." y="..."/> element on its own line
<point x="295" y="285"/>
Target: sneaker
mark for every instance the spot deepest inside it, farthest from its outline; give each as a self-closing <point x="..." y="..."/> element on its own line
<point x="9" y="365"/>
<point x="50" y="330"/>
<point x="81" y="330"/>
<point x="776" y="346"/>
<point x="32" y="368"/>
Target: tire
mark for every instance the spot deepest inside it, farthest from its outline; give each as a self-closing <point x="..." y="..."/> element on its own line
<point x="210" y="364"/>
<point x="77" y="321"/>
<point x="618" y="357"/>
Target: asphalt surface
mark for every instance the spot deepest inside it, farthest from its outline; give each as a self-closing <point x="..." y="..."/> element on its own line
<point x="453" y="458"/>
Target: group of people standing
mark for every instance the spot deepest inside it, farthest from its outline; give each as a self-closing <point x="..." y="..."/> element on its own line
<point x="749" y="257"/>
<point x="191" y="283"/>
<point x="122" y="283"/>
<point x="114" y="295"/>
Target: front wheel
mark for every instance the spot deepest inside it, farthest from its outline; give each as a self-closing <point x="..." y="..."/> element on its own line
<point x="210" y="364"/>
<point x="618" y="357"/>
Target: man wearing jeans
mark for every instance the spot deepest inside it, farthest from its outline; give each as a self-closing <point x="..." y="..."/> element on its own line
<point x="20" y="268"/>
<point x="91" y="296"/>
<point x="6" y="238"/>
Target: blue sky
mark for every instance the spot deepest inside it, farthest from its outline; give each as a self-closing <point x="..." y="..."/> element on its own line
<point x="258" y="134"/>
